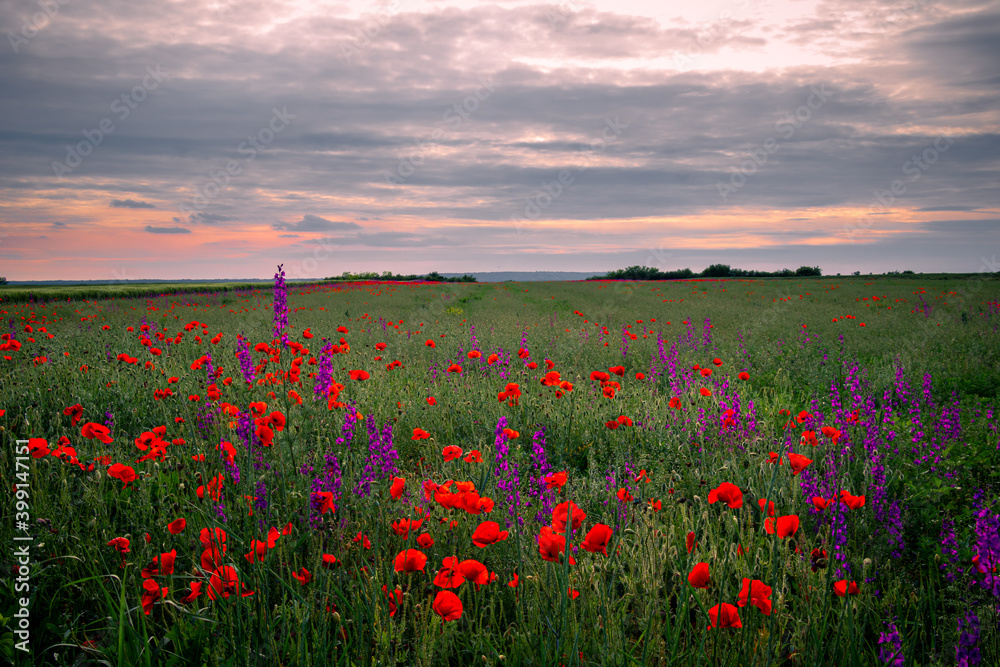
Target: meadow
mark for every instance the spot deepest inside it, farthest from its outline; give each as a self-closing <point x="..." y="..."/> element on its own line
<point x="698" y="472"/>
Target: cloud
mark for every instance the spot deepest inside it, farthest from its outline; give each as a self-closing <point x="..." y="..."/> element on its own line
<point x="167" y="230"/>
<point x="130" y="203"/>
<point x="289" y="236"/>
<point x="314" y="223"/>
<point x="949" y="208"/>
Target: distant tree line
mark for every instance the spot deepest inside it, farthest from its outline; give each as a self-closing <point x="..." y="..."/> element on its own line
<point x="433" y="277"/>
<point x="714" y="271"/>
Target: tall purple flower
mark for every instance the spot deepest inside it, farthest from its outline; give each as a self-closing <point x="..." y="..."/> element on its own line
<point x="506" y="472"/>
<point x="540" y="469"/>
<point x="891" y="647"/>
<point x="324" y="376"/>
<point x="966" y="652"/>
<point x="280" y="307"/>
<point x="246" y="358"/>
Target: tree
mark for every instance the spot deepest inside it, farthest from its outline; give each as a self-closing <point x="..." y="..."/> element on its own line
<point x="808" y="271"/>
<point x="716" y="271"/>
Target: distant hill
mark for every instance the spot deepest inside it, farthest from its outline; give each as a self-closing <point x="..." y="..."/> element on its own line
<point x="525" y="276"/>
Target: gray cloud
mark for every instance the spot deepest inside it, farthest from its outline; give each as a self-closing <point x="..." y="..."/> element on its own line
<point x="314" y="223"/>
<point x="129" y="203"/>
<point x="167" y="230"/>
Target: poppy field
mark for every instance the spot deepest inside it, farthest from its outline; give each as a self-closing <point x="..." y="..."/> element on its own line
<point x="694" y="472"/>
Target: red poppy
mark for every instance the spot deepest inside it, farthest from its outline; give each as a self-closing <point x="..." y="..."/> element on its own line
<point x="379" y="346"/>
<point x="705" y="391"/>
<point x="410" y="560"/>
<point x="853" y="502"/>
<point x="322" y="502"/>
<point x="449" y="576"/>
<point x="454" y="368"/>
<point x="770" y="508"/>
<point x="597" y="539"/>
<point x="177" y="526"/>
<point x="122" y="472"/>
<point x="756" y="593"/>
<point x="430" y="343"/>
<point x="744" y="376"/>
<point x="396" y="490"/>
<point x="425" y="541"/>
<point x="831" y="433"/>
<point x="624" y="495"/>
<point x="303" y="576"/>
<point x="225" y="581"/>
<point x="798" y="462"/>
<point x="492" y="358"/>
<point x="342" y="329"/>
<point x="774" y="458"/>
<point x="625" y="421"/>
<point x="474" y="456"/>
<point x="699" y="577"/>
<point x="487" y="533"/>
<point x="420" y="434"/>
<point x="359" y="375"/>
<point x="365" y="542"/>
<point x="451" y="452"/>
<point x="821" y="503"/>
<point x="600" y="376"/>
<point x="151" y="592"/>
<point x="195" y="592"/>
<point x="511" y="433"/>
<point x="612" y="424"/>
<point x="329" y="560"/>
<point x="556" y="480"/>
<point x="447" y="605"/>
<point x="395" y="599"/>
<point x="402" y="527"/>
<point x="513" y="582"/>
<point x="474" y="571"/>
<point x="475" y="354"/>
<point x="562" y="513"/>
<point x="552" y="545"/>
<point x="75" y="412"/>
<point x="675" y="403"/>
<point x="617" y="370"/>
<point x="802" y="416"/>
<point x="90" y="430"/>
<point x="120" y="544"/>
<point x="785" y="526"/>
<point x="705" y="372"/>
<point x="690" y="542"/>
<point x="431" y="400"/>
<point x="725" y="615"/>
<point x="727" y="493"/>
<point x="841" y="588"/>
<point x="809" y="438"/>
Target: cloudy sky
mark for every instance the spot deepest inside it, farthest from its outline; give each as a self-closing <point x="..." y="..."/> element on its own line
<point x="220" y="138"/>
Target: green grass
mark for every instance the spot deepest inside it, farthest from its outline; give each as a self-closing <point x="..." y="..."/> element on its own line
<point x="635" y="607"/>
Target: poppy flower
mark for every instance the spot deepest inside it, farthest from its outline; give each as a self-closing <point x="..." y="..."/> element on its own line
<point x="425" y="541"/>
<point x="705" y="372"/>
<point x="420" y="434"/>
<point x="599" y="376"/>
<point x="513" y="582"/>
<point x="853" y="502"/>
<point x="447" y="605"/>
<point x="612" y="424"/>
<point x="402" y="526"/>
<point x="820" y="503"/>
<point x="756" y="593"/>
<point x="699" y="577"/>
<point x="122" y="472"/>
<point x="195" y="592"/>
<point x="774" y="458"/>
<point x="39" y="447"/>
<point x="640" y="376"/>
<point x="744" y="376"/>
<point x="379" y="346"/>
<point x="359" y="375"/>
<point x="90" y="430"/>
<point x="474" y="571"/>
<point x="492" y="358"/>
<point x="785" y="526"/>
<point x="556" y="480"/>
<point x="689" y="541"/>
<point x="624" y="495"/>
<point x="625" y="421"/>
<point x="120" y="544"/>
<point x="487" y="533"/>
<point x="431" y="400"/>
<point x="798" y="463"/>
<point x="454" y="368"/>
<point x="597" y="539"/>
<point x="770" y="506"/>
<point x="617" y="370"/>
<point x="75" y="412"/>
<point x="303" y="576"/>
<point x="322" y="502"/>
<point x="474" y="456"/>
<point x="841" y="588"/>
<point x="177" y="526"/>
<point x="396" y="490"/>
<point x="409" y="560"/>
<point x="808" y="438"/>
<point x="329" y="560"/>
<point x="552" y="545"/>
<point x="705" y="391"/>
<point x="567" y="511"/>
<point x="449" y="576"/>
<point x="151" y="592"/>
<point x="727" y="493"/>
<point x="430" y="343"/>
<point x="725" y="615"/>
<point x="451" y="452"/>
<point x="608" y="392"/>
<point x="365" y="542"/>
<point x="831" y="433"/>
<point x="224" y="582"/>
<point x="675" y="403"/>
<point x="511" y="433"/>
<point x="802" y="416"/>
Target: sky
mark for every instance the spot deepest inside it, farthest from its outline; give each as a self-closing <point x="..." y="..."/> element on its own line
<point x="220" y="138"/>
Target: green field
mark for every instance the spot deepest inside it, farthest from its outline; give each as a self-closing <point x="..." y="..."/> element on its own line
<point x="887" y="386"/>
